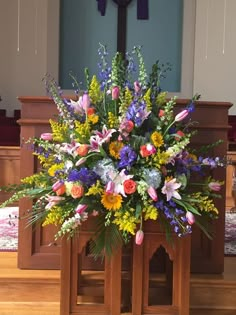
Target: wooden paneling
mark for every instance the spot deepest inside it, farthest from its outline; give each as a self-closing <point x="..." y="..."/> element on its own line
<point x="230" y="179"/>
<point x="37" y="292"/>
<point x="9" y="168"/>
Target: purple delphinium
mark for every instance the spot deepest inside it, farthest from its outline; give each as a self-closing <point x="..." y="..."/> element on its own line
<point x="176" y="217"/>
<point x="127" y="157"/>
<point x="84" y="175"/>
<point x="104" y="69"/>
<point x="137" y="112"/>
<point x="190" y="107"/>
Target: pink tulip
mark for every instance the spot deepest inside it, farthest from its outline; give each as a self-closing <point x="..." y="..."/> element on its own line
<point x="115" y="92"/>
<point x="57" y="185"/>
<point x="85" y="101"/>
<point x="46" y="136"/>
<point x="181" y="115"/>
<point x="152" y="193"/>
<point x="215" y="186"/>
<point x="137" y="87"/>
<point x="190" y="217"/>
<point x="81" y="208"/>
<point x="139" y="237"/>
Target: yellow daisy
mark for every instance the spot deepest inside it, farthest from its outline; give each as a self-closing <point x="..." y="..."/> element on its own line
<point x="111" y="201"/>
<point x="157" y="139"/>
<point x="114" y="149"/>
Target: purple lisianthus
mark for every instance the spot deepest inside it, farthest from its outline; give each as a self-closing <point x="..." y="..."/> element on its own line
<point x="137" y="112"/>
<point x="84" y="175"/>
<point x="127" y="157"/>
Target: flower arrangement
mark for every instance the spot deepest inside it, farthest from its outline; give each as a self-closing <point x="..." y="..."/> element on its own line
<point x="119" y="152"/>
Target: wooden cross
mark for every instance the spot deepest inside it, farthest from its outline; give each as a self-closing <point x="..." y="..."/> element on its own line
<point x="122" y="25"/>
<point x="142" y="14"/>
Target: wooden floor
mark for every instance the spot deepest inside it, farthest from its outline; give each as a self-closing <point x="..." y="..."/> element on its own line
<point x="37" y="292"/>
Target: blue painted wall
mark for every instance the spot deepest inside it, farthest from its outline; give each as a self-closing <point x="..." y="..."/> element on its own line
<point x="82" y="28"/>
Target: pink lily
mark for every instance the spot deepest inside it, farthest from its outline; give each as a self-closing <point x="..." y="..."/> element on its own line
<point x="105" y="135"/>
<point x="53" y="201"/>
<point x="169" y="189"/>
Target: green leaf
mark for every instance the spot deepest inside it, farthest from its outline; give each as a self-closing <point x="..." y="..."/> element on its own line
<point x="187" y="206"/>
<point x="138" y="210"/>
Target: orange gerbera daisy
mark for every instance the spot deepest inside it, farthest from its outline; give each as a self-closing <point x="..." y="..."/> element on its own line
<point x="111" y="201"/>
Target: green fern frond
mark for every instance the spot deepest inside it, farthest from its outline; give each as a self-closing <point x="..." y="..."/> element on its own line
<point x="106" y="240"/>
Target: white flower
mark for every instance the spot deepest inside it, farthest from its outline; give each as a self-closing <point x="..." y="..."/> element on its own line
<point x="169" y="189"/>
<point x="118" y="179"/>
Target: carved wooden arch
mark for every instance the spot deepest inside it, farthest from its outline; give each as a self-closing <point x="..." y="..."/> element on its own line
<point x="84" y="238"/>
<point x="159" y="241"/>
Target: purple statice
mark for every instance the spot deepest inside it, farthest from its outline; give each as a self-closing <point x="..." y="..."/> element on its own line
<point x="137" y="112"/>
<point x="127" y="157"/>
<point x="84" y="175"/>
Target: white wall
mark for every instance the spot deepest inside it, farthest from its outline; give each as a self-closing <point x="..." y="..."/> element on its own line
<point x="215" y="51"/>
<point x="25" y="41"/>
<point x="29" y="41"/>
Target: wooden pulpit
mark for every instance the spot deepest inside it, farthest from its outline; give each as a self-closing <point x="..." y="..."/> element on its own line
<point x="37" y="247"/>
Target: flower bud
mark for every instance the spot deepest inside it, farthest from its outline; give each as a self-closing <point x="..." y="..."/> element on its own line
<point x="179" y="134"/>
<point x="161" y="113"/>
<point x="137" y="87"/>
<point x="190" y="217"/>
<point x="81" y="208"/>
<point x="139" y="237"/>
<point x="57" y="185"/>
<point x="215" y="186"/>
<point x="115" y="92"/>
<point x="110" y="187"/>
<point x="80" y="161"/>
<point x="46" y="136"/>
<point x="152" y="193"/>
<point x="180" y="116"/>
<point x="85" y="101"/>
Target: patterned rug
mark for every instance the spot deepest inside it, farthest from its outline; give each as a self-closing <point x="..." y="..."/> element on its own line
<point x="8" y="229"/>
<point x="230" y="234"/>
